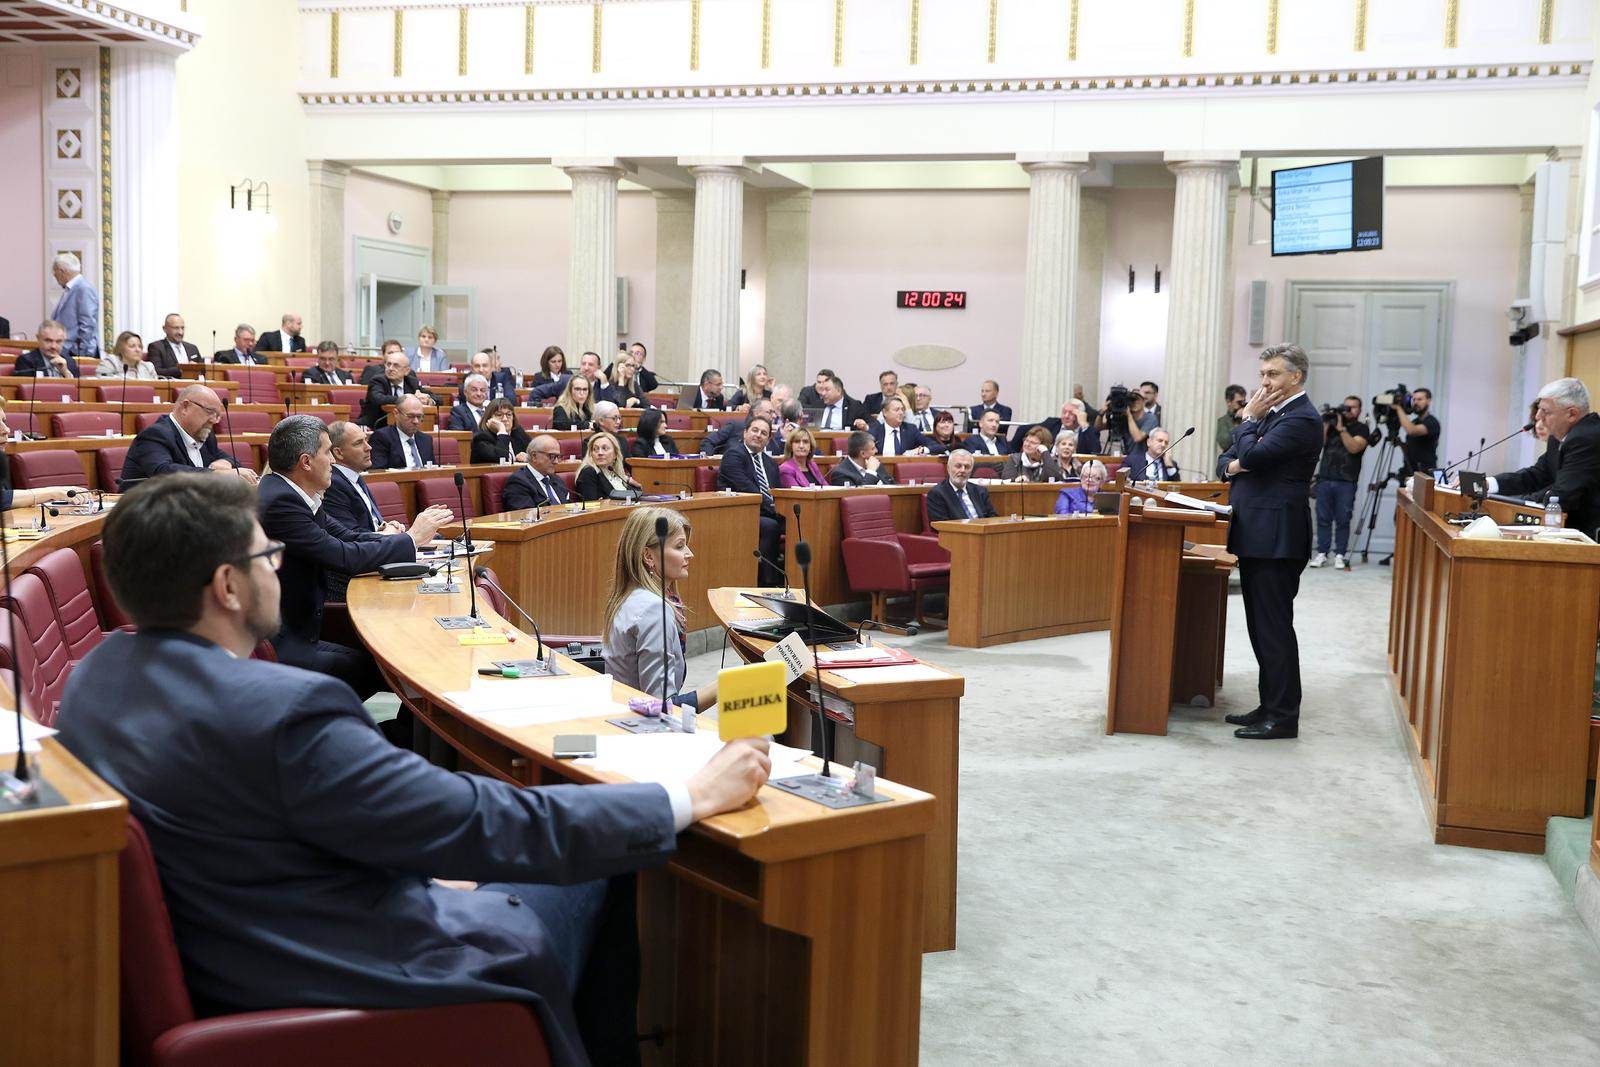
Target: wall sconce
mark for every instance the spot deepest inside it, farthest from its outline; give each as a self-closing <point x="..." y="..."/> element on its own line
<point x="1130" y="277"/>
<point x="1158" y="277"/>
<point x="249" y="192"/>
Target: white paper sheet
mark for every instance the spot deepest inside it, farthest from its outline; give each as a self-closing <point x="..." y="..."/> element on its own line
<point x="1200" y="505"/>
<point x="901" y="672"/>
<point x="676" y="757"/>
<point x="32" y="732"/>
<point x="533" y="701"/>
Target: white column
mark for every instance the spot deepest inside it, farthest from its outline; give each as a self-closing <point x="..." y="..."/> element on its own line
<point x="326" y="317"/>
<point x="592" y="292"/>
<point x="669" y="355"/>
<point x="441" y="237"/>
<point x="788" y="285"/>
<point x="714" y="278"/>
<point x="1049" y="287"/>
<point x="144" y="191"/>
<point x="1197" y="328"/>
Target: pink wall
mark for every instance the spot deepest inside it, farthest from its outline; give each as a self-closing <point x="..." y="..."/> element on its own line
<point x="368" y="200"/>
<point x="1133" y="326"/>
<point x="514" y="248"/>
<point x="866" y="245"/>
<point x="23" y="267"/>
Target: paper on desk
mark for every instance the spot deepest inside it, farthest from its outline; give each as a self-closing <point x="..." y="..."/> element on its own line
<point x="31" y="733"/>
<point x="908" y="672"/>
<point x="534" y="701"/>
<point x="1194" y="502"/>
<point x="676" y="757"/>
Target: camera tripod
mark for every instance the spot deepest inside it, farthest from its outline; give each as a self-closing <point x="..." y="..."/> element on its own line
<point x="1372" y="503"/>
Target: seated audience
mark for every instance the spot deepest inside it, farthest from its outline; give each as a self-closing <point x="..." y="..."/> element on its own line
<point x="552" y="373"/>
<point x="731" y="432"/>
<point x="888" y="388"/>
<point x="126" y="359"/>
<point x="860" y="465"/>
<point x="589" y="369"/>
<point x="839" y="411"/>
<point x="646" y="379"/>
<point x="396" y="382"/>
<point x="921" y="413"/>
<point x="379" y="368"/>
<point x="811" y="395"/>
<point x="989" y="400"/>
<point x="537" y="485"/>
<point x="1072" y="418"/>
<point x="243" y="351"/>
<point x="708" y="395"/>
<point x="502" y="383"/>
<point x="943" y="438"/>
<point x="22" y="498"/>
<point x="987" y="441"/>
<point x="327" y="371"/>
<point x="499" y="438"/>
<point x="468" y="414"/>
<point x="426" y="356"/>
<point x="1066" y="453"/>
<point x="1148" y="461"/>
<point x="799" y="467"/>
<point x="791" y="416"/>
<point x="402" y="445"/>
<point x="183" y="440"/>
<point x="601" y="475"/>
<point x="892" y="434"/>
<point x="624" y="390"/>
<point x="1034" y="463"/>
<point x="649" y="440"/>
<point x="958" y="497"/>
<point x="348" y="500"/>
<point x="759" y="387"/>
<point x="170" y="350"/>
<point x="575" y="409"/>
<point x="1569" y="468"/>
<point x="297" y="848"/>
<point x="748" y="468"/>
<point x="48" y="360"/>
<point x="285" y="339"/>
<point x="1079" y="499"/>
<point x="608" y="417"/>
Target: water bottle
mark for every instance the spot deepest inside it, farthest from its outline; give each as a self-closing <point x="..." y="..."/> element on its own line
<point x="1552" y="512"/>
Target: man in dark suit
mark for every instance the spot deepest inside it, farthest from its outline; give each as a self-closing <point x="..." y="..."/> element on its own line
<point x="988" y="440"/>
<point x="708" y="395"/>
<point x="536" y="485"/>
<point x="1072" y="418"/>
<point x="747" y="468"/>
<point x="1148" y="461"/>
<point x="287" y="339"/>
<point x="839" y="410"/>
<point x="956" y="497"/>
<point x="327" y="371"/>
<point x="730" y="433"/>
<point x="468" y="414"/>
<point x="893" y="435"/>
<point x="171" y="350"/>
<point x="1570" y="466"/>
<point x="49" y="360"/>
<point x="647" y="379"/>
<point x="811" y="395"/>
<point x="243" y="351"/>
<point x="395" y="381"/>
<point x="301" y="457"/>
<point x="297" y="847"/>
<point x="502" y="383"/>
<point x="349" y="501"/>
<point x="182" y="441"/>
<point x="1270" y="463"/>
<point x="860" y="466"/>
<point x="888" y="387"/>
<point x="988" y="400"/>
<point x="403" y="446"/>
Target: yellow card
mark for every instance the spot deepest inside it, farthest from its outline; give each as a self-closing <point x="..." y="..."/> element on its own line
<point x="479" y="637"/>
<point x="752" y="701"/>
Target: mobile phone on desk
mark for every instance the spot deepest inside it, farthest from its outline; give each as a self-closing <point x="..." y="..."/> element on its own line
<point x="574" y="746"/>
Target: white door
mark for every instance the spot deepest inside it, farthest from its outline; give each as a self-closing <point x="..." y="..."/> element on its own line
<point x="453" y="311"/>
<point x="367" y="313"/>
<point x="1364" y="339"/>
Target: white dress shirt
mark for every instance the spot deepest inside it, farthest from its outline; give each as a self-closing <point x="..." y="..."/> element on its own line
<point x="312" y="502"/>
<point x="354" y="478"/>
<point x="411" y="450"/>
<point x="189" y="443"/>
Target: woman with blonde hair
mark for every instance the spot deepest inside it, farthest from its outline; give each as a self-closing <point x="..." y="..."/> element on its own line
<point x="642" y="649"/>
<point x="799" y="467"/>
<point x="602" y="472"/>
<point x="575" y="407"/>
<point x="624" y="389"/>
<point x="126" y="358"/>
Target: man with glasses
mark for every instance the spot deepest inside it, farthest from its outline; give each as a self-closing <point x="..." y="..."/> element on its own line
<point x="397" y="381"/>
<point x="183" y="440"/>
<point x="403" y="446"/>
<point x="536" y="485"/>
<point x="1344" y="438"/>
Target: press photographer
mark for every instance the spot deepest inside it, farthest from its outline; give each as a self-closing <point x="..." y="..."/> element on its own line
<point x="1124" y="418"/>
<point x="1344" y="438"/>
<point x="1402" y="411"/>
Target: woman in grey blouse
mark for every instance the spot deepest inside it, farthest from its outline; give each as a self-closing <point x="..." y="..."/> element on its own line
<point x="639" y="649"/>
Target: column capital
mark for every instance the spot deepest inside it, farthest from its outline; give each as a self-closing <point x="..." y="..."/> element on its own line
<point x="441" y="199"/>
<point x="1054" y="161"/>
<point x="327" y="172"/>
<point x="610" y="166"/>
<point x="1202" y="159"/>
<point x="741" y="166"/>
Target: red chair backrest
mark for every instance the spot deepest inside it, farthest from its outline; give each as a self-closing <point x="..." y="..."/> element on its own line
<point x="108" y="466"/>
<point x="112" y="617"/>
<point x="34" y="470"/>
<point x="84" y="423"/>
<point x="571" y="447"/>
<point x="441" y="378"/>
<point x="243" y="451"/>
<point x="48" y="391"/>
<point x="146" y="419"/>
<point x="431" y="491"/>
<point x="494" y="487"/>
<point x="868" y="516"/>
<point x="326" y="412"/>
<point x="719" y="420"/>
<point x="705" y="478"/>
<point x="300" y="362"/>
<point x="62" y="574"/>
<point x="920" y="471"/>
<point x="391" y="505"/>
<point x="534" y="420"/>
<point x="568" y="478"/>
<point x="136" y="394"/>
<point x="19" y="658"/>
<point x="24" y="421"/>
<point x="489" y="593"/>
<point x="350" y="396"/>
<point x="446" y="451"/>
<point x="255" y="386"/>
<point x="154" y="996"/>
<point x="37" y="628"/>
<point x="248" y="422"/>
<point x="679" y="420"/>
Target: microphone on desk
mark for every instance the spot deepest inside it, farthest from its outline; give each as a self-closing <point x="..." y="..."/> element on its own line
<point x="1524" y="428"/>
<point x="540" y="648"/>
<point x="44" y="526"/>
<point x="802" y="556"/>
<point x="227" y="415"/>
<point x="666" y="643"/>
<point x="1479" y="461"/>
<point x="787" y="594"/>
<point x="33" y="399"/>
<point x="21" y="787"/>
<point x="122" y="412"/>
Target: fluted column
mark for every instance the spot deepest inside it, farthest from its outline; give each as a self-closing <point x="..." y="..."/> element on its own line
<point x="326" y="316"/>
<point x="144" y="198"/>
<point x="714" y="277"/>
<point x="592" y="289"/>
<point x="674" y="266"/>
<point x="1049" y="286"/>
<point x="1197" y="312"/>
<point x="441" y="237"/>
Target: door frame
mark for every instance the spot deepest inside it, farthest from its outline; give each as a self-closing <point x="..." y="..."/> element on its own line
<point x="1447" y="303"/>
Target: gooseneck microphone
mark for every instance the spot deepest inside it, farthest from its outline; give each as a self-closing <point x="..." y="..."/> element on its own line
<point x="1525" y="428"/>
<point x="787" y="594"/>
<point x="540" y="648"/>
<point x="466" y="537"/>
<point x="122" y="411"/>
<point x="227" y="416"/>
<point x="33" y="420"/>
<point x="461" y="498"/>
<point x="24" y="792"/>
<point x="802" y="556"/>
<point x="666" y="635"/>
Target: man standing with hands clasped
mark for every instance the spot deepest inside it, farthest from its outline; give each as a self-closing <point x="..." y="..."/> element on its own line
<point x="1270" y="461"/>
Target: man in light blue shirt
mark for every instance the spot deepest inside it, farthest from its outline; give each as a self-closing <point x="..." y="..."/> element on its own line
<point x="78" y="310"/>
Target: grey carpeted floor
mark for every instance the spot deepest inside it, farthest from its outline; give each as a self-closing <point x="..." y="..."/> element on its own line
<point x="1195" y="899"/>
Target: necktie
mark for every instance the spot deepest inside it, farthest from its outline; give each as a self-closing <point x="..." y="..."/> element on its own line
<point x="827" y="420"/>
<point x="550" y="491"/>
<point x="966" y="504"/>
<point x="372" y="505"/>
<point x="761" y="473"/>
<point x="416" y="457"/>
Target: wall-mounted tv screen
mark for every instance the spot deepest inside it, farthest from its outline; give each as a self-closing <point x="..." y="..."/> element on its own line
<point x="1332" y="207"/>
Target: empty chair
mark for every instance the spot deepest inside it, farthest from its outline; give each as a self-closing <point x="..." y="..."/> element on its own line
<point x="243" y="451"/>
<point x="705" y="478"/>
<point x="571" y="447"/>
<point x="300" y="362"/>
<point x="568" y="478"/>
<point x="85" y="423"/>
<point x="48" y="391"/>
<point x="348" y="396"/>
<point x="391" y="505"/>
<point x="919" y="472"/>
<point x="38" y="636"/>
<point x="255" y="386"/>
<point x="679" y="420"/>
<point x="61" y="572"/>
<point x="146" y="419"/>
<point x="446" y="451"/>
<point x="112" y="617"/>
<point x="881" y="561"/>
<point x="134" y="394"/>
<point x="24" y="421"/>
<point x="326" y="412"/>
<point x="248" y="422"/>
<point x="492" y="594"/>
<point x="34" y="470"/>
<point x="494" y="487"/>
<point x="431" y="491"/>
<point x="534" y="420"/>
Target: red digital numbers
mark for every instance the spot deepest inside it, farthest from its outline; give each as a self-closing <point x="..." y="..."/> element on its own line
<point x="931" y="298"/>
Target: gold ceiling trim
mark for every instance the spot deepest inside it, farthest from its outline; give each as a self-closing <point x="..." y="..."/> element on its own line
<point x="1452" y="23"/>
<point x="461" y="42"/>
<point x="595" y="41"/>
<point x="916" y="31"/>
<point x="1188" y="29"/>
<point x="766" y="34"/>
<point x="1272" y="27"/>
<point x="399" y="39"/>
<point x="1072" y="30"/>
<point x="333" y="44"/>
<point x="527" y="38"/>
<point x="694" y="34"/>
<point x="994" y="25"/>
<point x="838" y="33"/>
<point x="1361" y="25"/>
<point x="1547" y="17"/>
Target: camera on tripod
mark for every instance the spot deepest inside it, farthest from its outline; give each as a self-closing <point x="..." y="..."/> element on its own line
<point x="1119" y="400"/>
<point x="1384" y="405"/>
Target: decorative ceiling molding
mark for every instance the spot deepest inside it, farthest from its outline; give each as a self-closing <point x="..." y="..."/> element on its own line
<point x="1388" y="79"/>
<point x="94" y="22"/>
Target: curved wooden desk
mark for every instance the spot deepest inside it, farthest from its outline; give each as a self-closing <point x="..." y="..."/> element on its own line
<point x="560" y="567"/>
<point x="773" y="934"/>
<point x="916" y="723"/>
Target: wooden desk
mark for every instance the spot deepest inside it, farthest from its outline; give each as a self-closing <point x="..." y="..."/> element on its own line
<point x="83" y="389"/>
<point x="773" y="934"/>
<point x="917" y="724"/>
<point x="670" y="475"/>
<point x="87" y="447"/>
<point x="559" y="567"/>
<point x="1016" y="581"/>
<point x="1495" y="707"/>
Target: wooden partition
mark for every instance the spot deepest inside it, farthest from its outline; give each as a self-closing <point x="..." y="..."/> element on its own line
<point x="1492" y="660"/>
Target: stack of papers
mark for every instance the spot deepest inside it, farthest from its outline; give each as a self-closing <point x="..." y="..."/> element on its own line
<point x="675" y="757"/>
<point x="1200" y="505"/>
<point x="535" y="701"/>
<point x="32" y="733"/>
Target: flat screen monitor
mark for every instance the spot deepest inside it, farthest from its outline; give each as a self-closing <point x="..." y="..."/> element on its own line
<point x="1331" y="207"/>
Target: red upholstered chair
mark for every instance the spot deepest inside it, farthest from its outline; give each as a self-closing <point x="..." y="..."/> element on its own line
<point x="248" y="422"/>
<point x="146" y="419"/>
<point x="255" y="386"/>
<point x="108" y="466"/>
<point x="883" y="562"/>
<point x="349" y="396"/>
<point x="48" y="391"/>
<point x="326" y="412"/>
<point x="159" y="1028"/>
<point x="919" y="472"/>
<point x="439" y="379"/>
<point x="431" y="491"/>
<point x="718" y="420"/>
<point x="446" y="451"/>
<point x="68" y="587"/>
<point x="568" y="479"/>
<point x="264" y="650"/>
<point x="492" y="595"/>
<point x="494" y="487"/>
<point x="243" y="451"/>
<point x="705" y="478"/>
<point x="112" y="617"/>
<point x="137" y="394"/>
<point x="84" y="423"/>
<point x="24" y="421"/>
<point x="300" y="362"/>
<point x="391" y="505"/>
<point x="42" y="640"/>
<point x="571" y="447"/>
<point x="679" y="420"/>
<point x="534" y="420"/>
<point x="34" y="470"/>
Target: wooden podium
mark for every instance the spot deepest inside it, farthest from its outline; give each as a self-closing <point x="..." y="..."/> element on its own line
<point x="1162" y="576"/>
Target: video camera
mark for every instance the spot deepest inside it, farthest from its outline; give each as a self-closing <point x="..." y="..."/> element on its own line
<point x="1331" y="414"/>
<point x="1384" y="404"/>
<point x="1118" y="400"/>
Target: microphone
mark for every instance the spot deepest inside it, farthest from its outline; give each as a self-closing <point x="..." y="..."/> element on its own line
<point x="787" y="595"/>
<point x="44" y="527"/>
<point x="461" y="497"/>
<point x="33" y="399"/>
<point x="1525" y="428"/>
<point x="538" y="639"/>
<point x="1481" y="440"/>
<point x="226" y="414"/>
<point x="213" y="350"/>
<point x="122" y="412"/>
<point x="24" y="791"/>
<point x="802" y="556"/>
<point x="666" y="648"/>
<point x="1166" y="457"/>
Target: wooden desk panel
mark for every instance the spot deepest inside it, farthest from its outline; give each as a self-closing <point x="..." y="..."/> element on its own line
<point x="819" y="524"/>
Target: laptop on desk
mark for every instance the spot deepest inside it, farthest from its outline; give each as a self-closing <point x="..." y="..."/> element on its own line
<point x="792" y="619"/>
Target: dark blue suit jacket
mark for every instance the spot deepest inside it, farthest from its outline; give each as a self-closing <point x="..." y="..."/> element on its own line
<point x="1088" y="436"/>
<point x="974" y="444"/>
<point x="159" y="450"/>
<point x="295" y="844"/>
<point x="339" y="376"/>
<point x="910" y="436"/>
<point x="272" y="341"/>
<point x="738" y="472"/>
<point x="389" y="452"/>
<point x="31" y="362"/>
<point x="944" y="504"/>
<point x="316" y="545"/>
<point x="721" y="439"/>
<point x="522" y="491"/>
<point x="1271" y="517"/>
<point x="975" y="412"/>
<point x="347" y="505"/>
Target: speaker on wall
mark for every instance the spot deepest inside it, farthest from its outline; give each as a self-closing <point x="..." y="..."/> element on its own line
<point x="1258" y="313"/>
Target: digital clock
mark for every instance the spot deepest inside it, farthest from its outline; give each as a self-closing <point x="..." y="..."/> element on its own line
<point x="930" y="298"/>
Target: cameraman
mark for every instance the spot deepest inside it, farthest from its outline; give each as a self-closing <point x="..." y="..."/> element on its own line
<point x="1344" y="438"/>
<point x="1233" y="397"/>
<point x="1124" y="417"/>
<point x="1421" y="447"/>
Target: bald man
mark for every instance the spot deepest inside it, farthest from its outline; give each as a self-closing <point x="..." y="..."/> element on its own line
<point x="183" y="440"/>
<point x="537" y="485"/>
<point x="403" y="446"/>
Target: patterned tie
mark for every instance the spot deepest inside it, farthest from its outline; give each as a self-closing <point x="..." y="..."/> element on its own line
<point x="416" y="457"/>
<point x="759" y="460"/>
<point x="372" y="505"/>
<point x="550" y="491"/>
<point x="966" y="504"/>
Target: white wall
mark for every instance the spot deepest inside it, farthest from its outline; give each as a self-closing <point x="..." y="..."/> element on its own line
<point x="1133" y="326"/>
<point x="23" y="268"/>
<point x="367" y="202"/>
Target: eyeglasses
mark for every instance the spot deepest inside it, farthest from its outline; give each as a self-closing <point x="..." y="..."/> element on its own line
<point x="273" y="554"/>
<point x="211" y="411"/>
